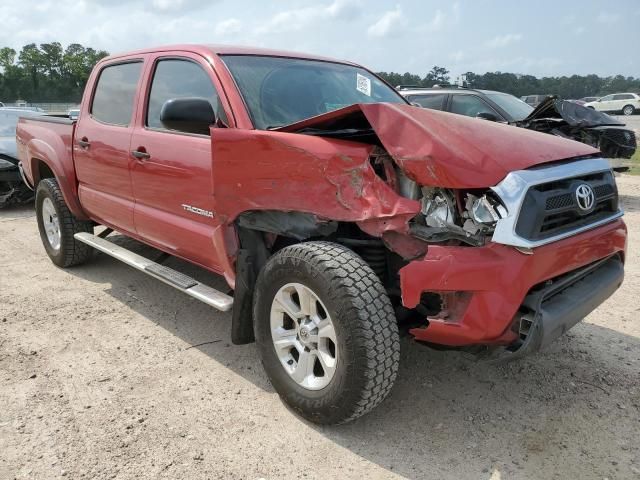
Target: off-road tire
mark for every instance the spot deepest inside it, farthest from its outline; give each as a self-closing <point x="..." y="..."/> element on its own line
<point x="628" y="110"/>
<point x="366" y="330"/>
<point x="71" y="252"/>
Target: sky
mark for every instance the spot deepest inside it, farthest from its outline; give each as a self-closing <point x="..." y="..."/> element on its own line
<point x="542" y="38"/>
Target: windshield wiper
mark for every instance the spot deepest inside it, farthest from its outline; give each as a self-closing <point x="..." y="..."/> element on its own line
<point x="338" y="133"/>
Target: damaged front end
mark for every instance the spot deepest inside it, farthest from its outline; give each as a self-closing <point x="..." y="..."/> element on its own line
<point x="13" y="191"/>
<point x="412" y="191"/>
<point x="573" y="121"/>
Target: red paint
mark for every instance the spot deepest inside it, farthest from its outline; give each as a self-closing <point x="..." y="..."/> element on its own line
<point x="498" y="277"/>
<point x="240" y="169"/>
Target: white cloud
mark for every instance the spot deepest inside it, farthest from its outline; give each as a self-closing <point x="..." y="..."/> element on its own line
<point x="388" y="24"/>
<point x="608" y="18"/>
<point x="299" y="18"/>
<point x="228" y="27"/>
<point x="503" y="40"/>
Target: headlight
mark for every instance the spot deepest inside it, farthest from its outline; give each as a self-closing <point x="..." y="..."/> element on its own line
<point x="482" y="213"/>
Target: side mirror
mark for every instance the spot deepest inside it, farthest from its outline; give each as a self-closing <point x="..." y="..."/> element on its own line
<point x="191" y="115"/>
<point x="487" y="116"/>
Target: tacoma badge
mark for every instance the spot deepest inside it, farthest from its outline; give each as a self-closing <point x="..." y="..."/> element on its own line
<point x="198" y="211"/>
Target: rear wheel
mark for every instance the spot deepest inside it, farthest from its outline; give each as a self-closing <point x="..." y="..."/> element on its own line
<point x="58" y="226"/>
<point x="628" y="110"/>
<point x="326" y="331"/>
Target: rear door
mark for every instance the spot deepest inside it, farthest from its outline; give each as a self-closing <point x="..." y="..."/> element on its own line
<point x="173" y="184"/>
<point x="435" y="101"/>
<point x="101" y="144"/>
<point x="471" y="106"/>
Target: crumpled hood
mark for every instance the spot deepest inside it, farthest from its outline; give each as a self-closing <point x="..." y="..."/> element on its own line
<point x="574" y="114"/>
<point x="444" y="149"/>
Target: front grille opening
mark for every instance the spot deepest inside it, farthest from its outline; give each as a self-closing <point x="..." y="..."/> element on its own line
<point x="551" y="208"/>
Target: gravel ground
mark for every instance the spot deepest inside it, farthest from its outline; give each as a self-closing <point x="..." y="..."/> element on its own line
<point x="105" y="373"/>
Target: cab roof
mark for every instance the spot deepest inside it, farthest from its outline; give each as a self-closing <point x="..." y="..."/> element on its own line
<point x="208" y="49"/>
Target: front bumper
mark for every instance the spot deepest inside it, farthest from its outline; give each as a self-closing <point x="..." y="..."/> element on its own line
<point x="487" y="286"/>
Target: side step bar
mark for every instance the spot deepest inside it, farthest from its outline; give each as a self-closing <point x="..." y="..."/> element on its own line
<point x="182" y="282"/>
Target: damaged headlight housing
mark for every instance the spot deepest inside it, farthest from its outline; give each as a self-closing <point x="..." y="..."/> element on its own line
<point x="482" y="213"/>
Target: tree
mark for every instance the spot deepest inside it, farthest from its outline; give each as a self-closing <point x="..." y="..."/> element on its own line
<point x="7" y="57"/>
<point x="437" y="76"/>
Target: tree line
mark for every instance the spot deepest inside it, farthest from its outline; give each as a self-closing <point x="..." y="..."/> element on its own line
<point x="46" y="72"/>
<point x="575" y="86"/>
<point x="50" y="73"/>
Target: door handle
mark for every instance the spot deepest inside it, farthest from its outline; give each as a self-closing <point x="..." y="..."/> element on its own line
<point x="140" y="154"/>
<point x="84" y="143"/>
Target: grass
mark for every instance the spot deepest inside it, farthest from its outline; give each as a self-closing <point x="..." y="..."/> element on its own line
<point x="635" y="163"/>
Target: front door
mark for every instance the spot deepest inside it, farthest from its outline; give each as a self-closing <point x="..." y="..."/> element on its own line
<point x="101" y="145"/>
<point x="171" y="174"/>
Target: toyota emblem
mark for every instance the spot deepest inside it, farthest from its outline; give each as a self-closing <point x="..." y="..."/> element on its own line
<point x="585" y="197"/>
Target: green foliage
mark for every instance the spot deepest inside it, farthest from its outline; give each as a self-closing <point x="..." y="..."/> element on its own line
<point x="575" y="86"/>
<point x="46" y="73"/>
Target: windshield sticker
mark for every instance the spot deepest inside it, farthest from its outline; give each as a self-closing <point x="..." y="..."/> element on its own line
<point x="363" y="84"/>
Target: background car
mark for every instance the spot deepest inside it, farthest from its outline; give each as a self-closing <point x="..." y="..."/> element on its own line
<point x="625" y="103"/>
<point x="74" y="113"/>
<point x="486" y="104"/>
<point x="534" y="100"/>
<point x="12" y="189"/>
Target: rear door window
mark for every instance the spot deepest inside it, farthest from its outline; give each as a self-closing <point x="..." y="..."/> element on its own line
<point x="115" y="93"/>
<point x="433" y="101"/>
<point x="470" y="105"/>
<point x="178" y="78"/>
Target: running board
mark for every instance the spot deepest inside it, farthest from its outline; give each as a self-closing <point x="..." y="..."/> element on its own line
<point x="182" y="282"/>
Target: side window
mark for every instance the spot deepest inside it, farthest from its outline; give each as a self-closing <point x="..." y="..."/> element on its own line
<point x="178" y="79"/>
<point x="429" y="101"/>
<point x="470" y="105"/>
<point x="608" y="98"/>
<point x="115" y="93"/>
<point x="624" y="96"/>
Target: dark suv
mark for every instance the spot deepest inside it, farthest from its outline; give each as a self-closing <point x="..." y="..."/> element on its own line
<point x="487" y="104"/>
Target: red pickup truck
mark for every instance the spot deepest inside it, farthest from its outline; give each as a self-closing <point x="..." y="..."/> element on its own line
<point x="334" y="209"/>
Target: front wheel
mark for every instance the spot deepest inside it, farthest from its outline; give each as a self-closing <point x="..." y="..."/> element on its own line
<point x="628" y="110"/>
<point x="57" y="226"/>
<point x="326" y="332"/>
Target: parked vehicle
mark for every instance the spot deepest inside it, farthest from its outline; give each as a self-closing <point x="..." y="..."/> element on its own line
<point x="555" y="116"/>
<point x="625" y="103"/>
<point x="334" y="210"/>
<point x="73" y="113"/>
<point x="12" y="189"/>
<point x="534" y="100"/>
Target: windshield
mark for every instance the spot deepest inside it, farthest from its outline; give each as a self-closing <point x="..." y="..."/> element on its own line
<point x="516" y="108"/>
<point x="279" y="91"/>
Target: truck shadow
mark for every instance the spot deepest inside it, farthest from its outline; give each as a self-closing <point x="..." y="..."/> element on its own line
<point x="449" y="416"/>
<point x="630" y="203"/>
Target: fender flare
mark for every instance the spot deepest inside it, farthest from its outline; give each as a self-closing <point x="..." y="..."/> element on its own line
<point x="38" y="152"/>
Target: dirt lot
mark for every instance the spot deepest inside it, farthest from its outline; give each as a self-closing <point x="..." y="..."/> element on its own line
<point x="105" y="373"/>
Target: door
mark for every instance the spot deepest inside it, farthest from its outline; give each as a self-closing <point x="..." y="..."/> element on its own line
<point x="605" y="104"/>
<point x="171" y="170"/>
<point x="101" y="145"/>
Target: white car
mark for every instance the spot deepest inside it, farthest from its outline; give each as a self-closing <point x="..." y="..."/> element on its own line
<point x="627" y="103"/>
